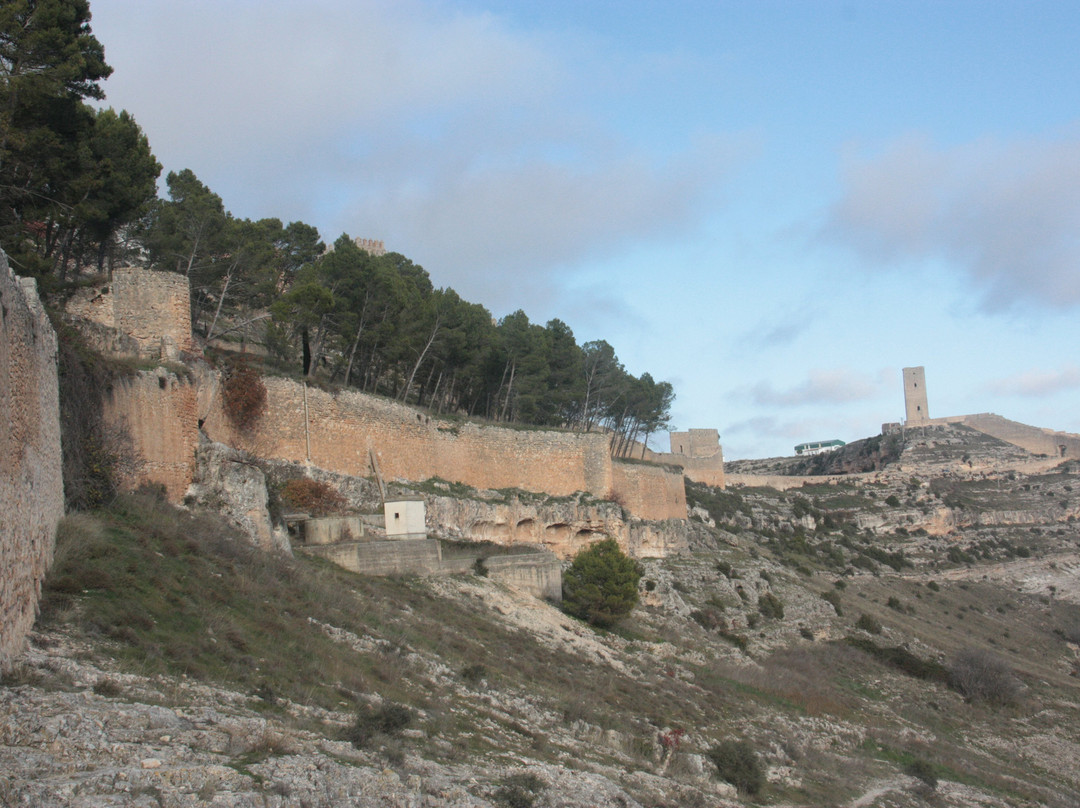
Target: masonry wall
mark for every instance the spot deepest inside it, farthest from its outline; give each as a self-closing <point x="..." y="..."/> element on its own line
<point x="336" y="432"/>
<point x="150" y="311"/>
<point x="31" y="477"/>
<point x="1030" y="438"/>
<point x="696" y="451"/>
<point x="159" y="410"/>
<point x="649" y="492"/>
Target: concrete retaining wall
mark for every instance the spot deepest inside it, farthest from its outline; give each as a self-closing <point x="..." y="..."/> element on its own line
<point x="538" y="574"/>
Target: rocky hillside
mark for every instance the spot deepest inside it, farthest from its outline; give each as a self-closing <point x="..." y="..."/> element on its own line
<point x="904" y="639"/>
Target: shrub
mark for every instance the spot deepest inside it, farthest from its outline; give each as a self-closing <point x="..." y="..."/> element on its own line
<point x="770" y="606"/>
<point x="833" y="597"/>
<point x="895" y="604"/>
<point x="388" y="719"/>
<point x="725" y="569"/>
<point x="519" y="791"/>
<point x="902" y="659"/>
<point x="707" y="618"/>
<point x="738" y="763"/>
<point x="980" y="676"/>
<point x="243" y="395"/>
<point x="601" y="585"/>
<point x="738" y="640"/>
<point x="868" y="623"/>
<point x="923" y="770"/>
<point x="313" y="497"/>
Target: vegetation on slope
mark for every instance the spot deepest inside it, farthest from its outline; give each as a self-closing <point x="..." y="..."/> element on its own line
<point x="164" y="592"/>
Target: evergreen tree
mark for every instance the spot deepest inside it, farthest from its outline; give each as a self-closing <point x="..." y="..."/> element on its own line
<point x="601" y="585"/>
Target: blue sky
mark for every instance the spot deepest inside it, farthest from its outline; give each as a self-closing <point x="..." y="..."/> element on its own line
<point x="775" y="206"/>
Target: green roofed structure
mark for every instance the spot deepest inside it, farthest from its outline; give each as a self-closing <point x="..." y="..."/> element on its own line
<point x="818" y="446"/>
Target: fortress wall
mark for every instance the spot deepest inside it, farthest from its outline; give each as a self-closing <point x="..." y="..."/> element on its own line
<point x="784" y="483"/>
<point x="411" y="446"/>
<point x="159" y="411"/>
<point x="31" y="477"/>
<point x="649" y="492"/>
<point x="1030" y="438"/>
<point x="697" y="451"/>
<point x="150" y="311"/>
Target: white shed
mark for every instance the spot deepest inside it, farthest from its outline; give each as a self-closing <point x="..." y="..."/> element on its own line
<point x="405" y="518"/>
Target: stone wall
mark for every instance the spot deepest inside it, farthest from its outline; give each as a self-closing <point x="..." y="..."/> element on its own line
<point x="148" y="312"/>
<point x="1031" y="438"/>
<point x="697" y="452"/>
<point x="31" y="477"/>
<point x="159" y="410"/>
<point x="337" y="432"/>
<point x="146" y="309"/>
<point x="784" y="483"/>
<point x="538" y="573"/>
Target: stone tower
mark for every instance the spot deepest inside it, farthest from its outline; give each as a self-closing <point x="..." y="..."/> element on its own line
<point x="916" y="411"/>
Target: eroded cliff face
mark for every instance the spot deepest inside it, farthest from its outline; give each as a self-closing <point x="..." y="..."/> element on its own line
<point x="233" y="484"/>
<point x="31" y="480"/>
<point x="564" y="526"/>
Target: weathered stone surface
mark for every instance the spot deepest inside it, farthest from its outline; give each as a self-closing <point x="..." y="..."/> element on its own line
<point x="229" y="482"/>
<point x="31" y="482"/>
<point x="563" y="525"/>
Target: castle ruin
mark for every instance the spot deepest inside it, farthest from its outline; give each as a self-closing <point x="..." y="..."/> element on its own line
<point x="1036" y="440"/>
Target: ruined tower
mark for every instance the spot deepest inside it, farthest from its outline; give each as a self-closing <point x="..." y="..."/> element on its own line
<point x="916" y="411"/>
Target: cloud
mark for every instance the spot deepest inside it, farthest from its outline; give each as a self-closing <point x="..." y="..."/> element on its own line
<point x="480" y="150"/>
<point x="1006" y="213"/>
<point x="821" y="387"/>
<point x="1038" y="383"/>
<point x="773" y="333"/>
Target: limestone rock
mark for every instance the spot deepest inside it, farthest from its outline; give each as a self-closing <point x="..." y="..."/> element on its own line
<point x="229" y="482"/>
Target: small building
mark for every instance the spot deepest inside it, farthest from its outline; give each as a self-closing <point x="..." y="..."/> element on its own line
<point x="405" y="518"/>
<point x="818" y="447"/>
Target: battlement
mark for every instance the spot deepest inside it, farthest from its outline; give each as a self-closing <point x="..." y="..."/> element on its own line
<point x="697" y="452"/>
<point x="370" y="245"/>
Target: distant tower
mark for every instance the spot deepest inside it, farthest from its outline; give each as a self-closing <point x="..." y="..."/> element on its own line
<point x="370" y="245"/>
<point x="916" y="410"/>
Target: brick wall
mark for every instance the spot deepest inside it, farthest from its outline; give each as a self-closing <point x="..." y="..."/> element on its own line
<point x="31" y="481"/>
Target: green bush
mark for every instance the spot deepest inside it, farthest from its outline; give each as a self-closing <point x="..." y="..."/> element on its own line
<point x="601" y="585"/>
<point x="923" y="770"/>
<point x="770" y="606"/>
<point x="902" y="659"/>
<point x="519" y="791"/>
<point x="868" y="623"/>
<point x="738" y="763"/>
<point x="833" y="597"/>
<point x="388" y="719"/>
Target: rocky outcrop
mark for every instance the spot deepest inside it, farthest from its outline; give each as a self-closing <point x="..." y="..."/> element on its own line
<point x="564" y="525"/>
<point x="231" y="483"/>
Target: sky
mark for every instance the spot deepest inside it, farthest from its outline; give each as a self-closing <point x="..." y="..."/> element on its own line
<point x="775" y="206"/>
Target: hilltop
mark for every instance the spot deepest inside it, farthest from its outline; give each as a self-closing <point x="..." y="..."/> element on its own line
<point x="902" y="638"/>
